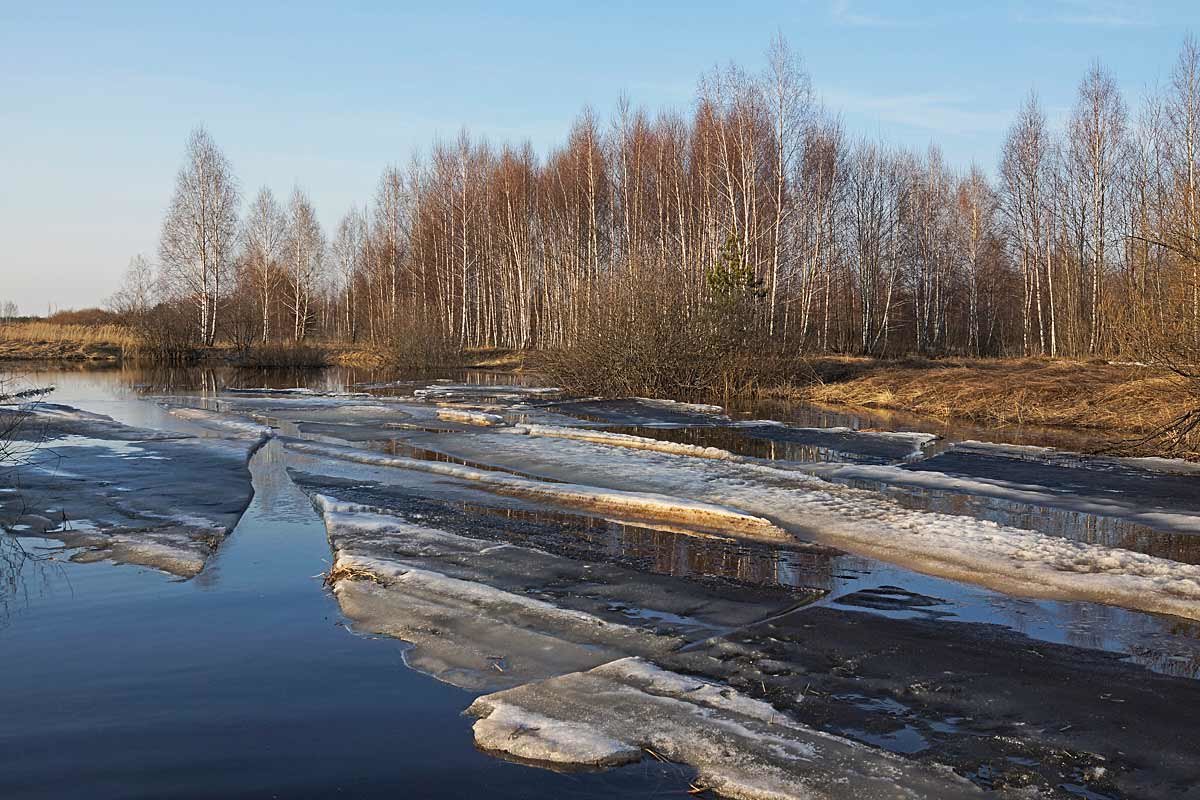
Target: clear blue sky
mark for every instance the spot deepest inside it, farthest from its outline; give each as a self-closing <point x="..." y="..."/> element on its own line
<point x="96" y="99"/>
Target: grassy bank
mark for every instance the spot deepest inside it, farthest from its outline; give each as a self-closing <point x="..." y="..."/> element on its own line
<point x="1120" y="402"/>
<point x="48" y="341"/>
<point x="1127" y="402"/>
<point x="51" y="341"/>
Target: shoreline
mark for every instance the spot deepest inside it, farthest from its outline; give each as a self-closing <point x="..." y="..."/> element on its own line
<point x="1136" y="407"/>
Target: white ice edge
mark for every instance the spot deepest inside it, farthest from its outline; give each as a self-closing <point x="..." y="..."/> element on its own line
<point x="624" y="440"/>
<point x="481" y="418"/>
<point x="222" y="422"/>
<point x="703" y="408"/>
<point x="1007" y="490"/>
<point x="299" y="391"/>
<point x="740" y="747"/>
<point x="655" y="506"/>
<point x="479" y="388"/>
<point x="915" y="437"/>
<point x="1151" y="463"/>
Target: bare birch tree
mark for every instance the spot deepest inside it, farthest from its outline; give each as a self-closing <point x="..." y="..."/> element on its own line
<point x="1097" y="142"/>
<point x="305" y="258"/>
<point x="265" y="238"/>
<point x="200" y="229"/>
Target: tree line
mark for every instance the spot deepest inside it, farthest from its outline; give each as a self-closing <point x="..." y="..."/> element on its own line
<point x="1084" y="243"/>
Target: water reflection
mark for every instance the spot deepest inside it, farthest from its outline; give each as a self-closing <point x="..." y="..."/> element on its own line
<point x="28" y="569"/>
<point x="780" y="444"/>
<point x="1076" y="525"/>
<point x="674" y="552"/>
<point x="1165" y="644"/>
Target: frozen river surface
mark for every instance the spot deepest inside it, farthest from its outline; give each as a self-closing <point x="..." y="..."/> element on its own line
<point x="212" y="587"/>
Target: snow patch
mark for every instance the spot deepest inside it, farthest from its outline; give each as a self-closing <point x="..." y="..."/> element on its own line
<point x="739" y="747"/>
<point x="469" y="417"/>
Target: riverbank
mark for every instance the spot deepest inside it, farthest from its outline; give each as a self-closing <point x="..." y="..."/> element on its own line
<point x="48" y="341"/>
<point x="1144" y="409"/>
<point x="35" y="341"/>
<point x="1123" y="402"/>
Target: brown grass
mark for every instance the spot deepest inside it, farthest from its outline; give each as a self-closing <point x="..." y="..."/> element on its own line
<point x="47" y="340"/>
<point x="495" y="358"/>
<point x="1128" y="401"/>
<point x="350" y="573"/>
<point x="363" y="357"/>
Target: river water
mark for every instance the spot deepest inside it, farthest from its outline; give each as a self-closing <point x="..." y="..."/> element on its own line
<point x="121" y="681"/>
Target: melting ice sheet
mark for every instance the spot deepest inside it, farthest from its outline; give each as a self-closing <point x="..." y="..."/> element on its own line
<point x="483" y="614"/>
<point x="1007" y="558"/>
<point x="123" y="493"/>
<point x="1156" y="493"/>
<point x="742" y="747"/>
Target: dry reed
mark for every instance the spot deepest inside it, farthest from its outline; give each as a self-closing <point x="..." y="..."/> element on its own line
<point x="47" y="340"/>
<point x="1115" y="398"/>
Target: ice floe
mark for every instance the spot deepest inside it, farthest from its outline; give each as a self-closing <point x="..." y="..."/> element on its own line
<point x="295" y="392"/>
<point x="470" y="417"/>
<point x="740" y="747"/>
<point x="1087" y="501"/>
<point x="647" y="412"/>
<point x="128" y="494"/>
<point x="635" y="503"/>
<point x="483" y="614"/>
<point x="223" y="422"/>
<point x="623" y="440"/>
<point x="1007" y="558"/>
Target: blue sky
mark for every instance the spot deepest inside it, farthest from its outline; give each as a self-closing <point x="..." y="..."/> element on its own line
<point x="96" y="99"/>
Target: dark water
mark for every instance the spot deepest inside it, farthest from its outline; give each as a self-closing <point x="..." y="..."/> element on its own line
<point x="243" y="682"/>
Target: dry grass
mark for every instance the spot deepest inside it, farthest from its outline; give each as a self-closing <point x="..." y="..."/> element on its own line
<point x="341" y="572"/>
<point x="495" y="358"/>
<point x="364" y="357"/>
<point x="47" y="340"/>
<point x="1128" y="401"/>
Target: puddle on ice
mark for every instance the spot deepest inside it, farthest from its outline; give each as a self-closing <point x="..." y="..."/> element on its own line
<point x="906" y="739"/>
<point x="774" y="444"/>
<point x="1164" y="644"/>
<point x="669" y="552"/>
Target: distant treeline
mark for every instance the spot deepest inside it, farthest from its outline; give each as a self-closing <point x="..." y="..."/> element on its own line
<point x="753" y="217"/>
